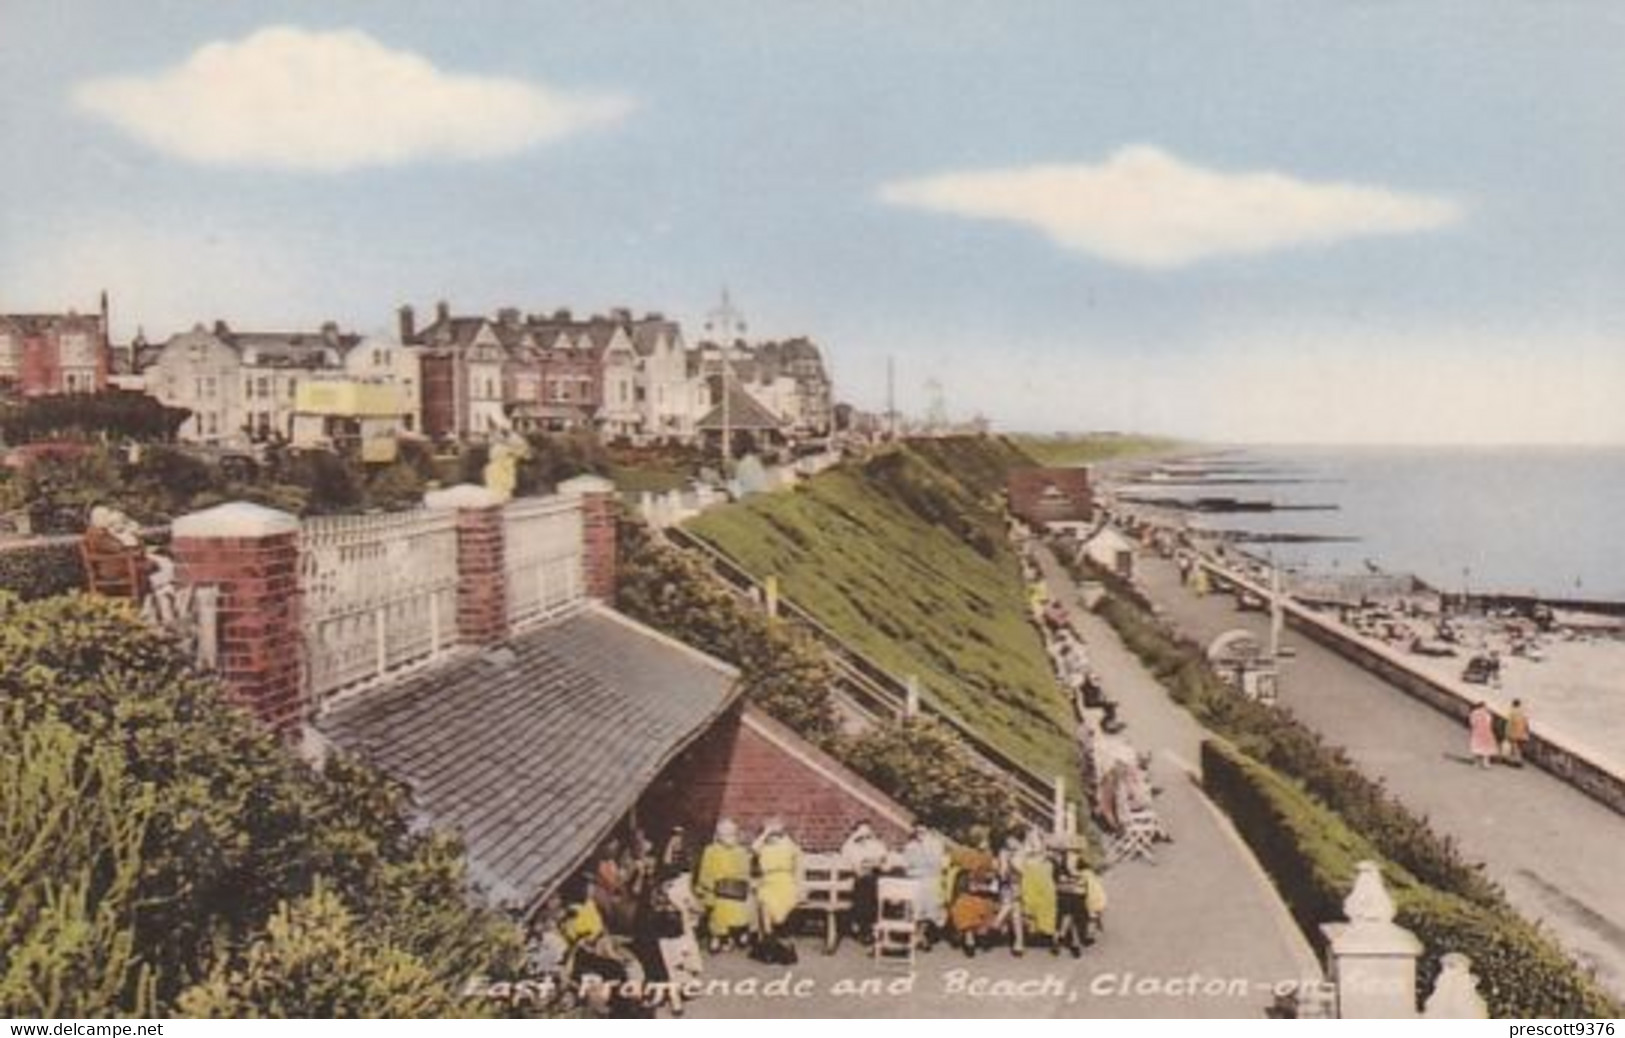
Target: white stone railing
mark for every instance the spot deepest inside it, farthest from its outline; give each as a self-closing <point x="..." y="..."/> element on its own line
<point x="380" y="594"/>
<point x="542" y="545"/>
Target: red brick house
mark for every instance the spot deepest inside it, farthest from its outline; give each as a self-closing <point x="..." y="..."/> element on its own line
<point x="48" y="354"/>
<point x="1039" y="496"/>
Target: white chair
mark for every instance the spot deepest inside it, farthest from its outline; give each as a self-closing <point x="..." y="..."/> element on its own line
<point x="826" y="889"/>
<point x="896" y="922"/>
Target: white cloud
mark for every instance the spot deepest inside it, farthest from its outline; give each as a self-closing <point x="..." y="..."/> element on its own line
<point x="1145" y="208"/>
<point x="329" y="101"/>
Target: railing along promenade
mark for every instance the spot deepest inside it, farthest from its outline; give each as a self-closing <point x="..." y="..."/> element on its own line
<point x="876" y="691"/>
<point x="1573" y="765"/>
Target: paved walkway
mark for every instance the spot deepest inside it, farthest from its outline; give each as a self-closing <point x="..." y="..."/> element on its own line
<point x="1200" y="933"/>
<point x="1555" y="850"/>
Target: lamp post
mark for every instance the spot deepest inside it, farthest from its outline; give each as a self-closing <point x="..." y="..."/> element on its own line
<point x="726" y="321"/>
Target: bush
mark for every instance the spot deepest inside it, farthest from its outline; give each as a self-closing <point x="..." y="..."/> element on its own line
<point x="1311" y="854"/>
<point x="783" y="673"/>
<point x="236" y="830"/>
<point x="41" y="570"/>
<point x="923" y="765"/>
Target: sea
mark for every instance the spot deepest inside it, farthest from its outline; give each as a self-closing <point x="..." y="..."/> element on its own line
<point x="1547" y="521"/>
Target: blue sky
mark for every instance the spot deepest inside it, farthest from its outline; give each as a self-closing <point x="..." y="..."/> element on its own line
<point x="1360" y="221"/>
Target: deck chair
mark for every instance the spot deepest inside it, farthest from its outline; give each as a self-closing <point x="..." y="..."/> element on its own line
<point x="1141" y="829"/>
<point x="896" y="922"/>
<point x="826" y="890"/>
<point x="113" y="570"/>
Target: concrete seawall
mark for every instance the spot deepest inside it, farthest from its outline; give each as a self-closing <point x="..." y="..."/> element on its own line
<point x="1570" y="763"/>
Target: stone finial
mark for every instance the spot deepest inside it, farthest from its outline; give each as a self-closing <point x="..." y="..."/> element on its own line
<point x="1455" y="994"/>
<point x="1368" y="902"/>
<point x="463" y="495"/>
<point x="578" y="486"/>
<point x="234" y="519"/>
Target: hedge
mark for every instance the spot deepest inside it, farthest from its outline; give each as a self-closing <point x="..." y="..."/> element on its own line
<point x="40" y="570"/>
<point x="1311" y="854"/>
<point x="1274" y="736"/>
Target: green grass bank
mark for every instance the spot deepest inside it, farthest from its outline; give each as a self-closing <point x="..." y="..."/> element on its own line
<point x="904" y="555"/>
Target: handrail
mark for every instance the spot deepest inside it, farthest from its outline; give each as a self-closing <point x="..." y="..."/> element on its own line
<point x="1033" y="792"/>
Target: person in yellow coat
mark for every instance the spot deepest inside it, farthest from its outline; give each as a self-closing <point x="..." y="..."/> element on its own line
<point x="778" y="890"/>
<point x="1038" y="899"/>
<point x="723" y="885"/>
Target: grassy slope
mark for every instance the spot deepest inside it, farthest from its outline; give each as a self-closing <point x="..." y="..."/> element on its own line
<point x="855" y="547"/>
<point x="1088" y="448"/>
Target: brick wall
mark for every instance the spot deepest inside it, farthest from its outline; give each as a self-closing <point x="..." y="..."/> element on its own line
<point x="598" y="518"/>
<point x="251" y="555"/>
<point x="482" y="589"/>
<point x="751" y="768"/>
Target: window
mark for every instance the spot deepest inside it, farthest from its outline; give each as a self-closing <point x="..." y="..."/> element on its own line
<point x="214" y="422"/>
<point x="210" y="387"/>
<point x="262" y="388"/>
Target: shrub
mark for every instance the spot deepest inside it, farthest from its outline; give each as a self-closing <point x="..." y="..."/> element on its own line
<point x="783" y="673"/>
<point x="1311" y="854"/>
<point x="237" y="827"/>
<point x="923" y="765"/>
<point x="34" y="571"/>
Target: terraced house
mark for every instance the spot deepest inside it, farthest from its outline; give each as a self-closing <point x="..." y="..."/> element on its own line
<point x="242" y="387"/>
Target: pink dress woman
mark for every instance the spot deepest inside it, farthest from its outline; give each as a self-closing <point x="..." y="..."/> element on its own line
<point x="1481" y="734"/>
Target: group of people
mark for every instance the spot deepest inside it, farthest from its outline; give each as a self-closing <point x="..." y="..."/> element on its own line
<point x="641" y="916"/>
<point x="1490" y="738"/>
<point x="1033" y="888"/>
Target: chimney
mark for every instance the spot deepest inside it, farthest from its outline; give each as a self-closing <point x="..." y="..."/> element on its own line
<point x="221" y="329"/>
<point x="407" y="322"/>
<point x="508" y="317"/>
<point x="621" y="314"/>
<point x="563" y="314"/>
<point x="330" y="333"/>
<point x="442" y="311"/>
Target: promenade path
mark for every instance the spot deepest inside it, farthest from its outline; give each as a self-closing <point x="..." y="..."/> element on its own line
<point x="1200" y="933"/>
<point x="1556" y="851"/>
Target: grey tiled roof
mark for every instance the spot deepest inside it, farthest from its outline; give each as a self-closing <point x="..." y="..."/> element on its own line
<point x="530" y="752"/>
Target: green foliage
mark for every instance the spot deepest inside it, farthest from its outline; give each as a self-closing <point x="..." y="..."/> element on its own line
<point x="74" y="825"/>
<point x="922" y="764"/>
<point x="61" y="487"/>
<point x="335" y="484"/>
<point x="237" y="826"/>
<point x="41" y="570"/>
<point x="1273" y="735"/>
<point x="396" y="486"/>
<point x="882" y="554"/>
<point x="114" y="414"/>
<point x="556" y="457"/>
<point x="1312" y="853"/>
<point x="783" y="673"/>
<point x="314" y="961"/>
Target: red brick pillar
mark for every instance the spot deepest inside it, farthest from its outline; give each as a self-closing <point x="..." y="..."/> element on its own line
<point x="482" y="582"/>
<point x="250" y="555"/>
<point x="598" y="519"/>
